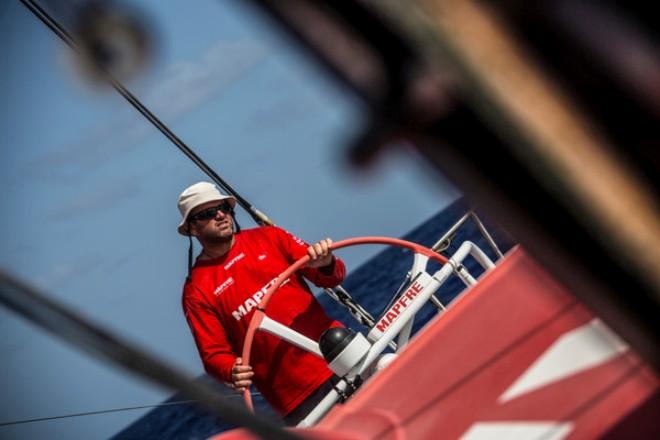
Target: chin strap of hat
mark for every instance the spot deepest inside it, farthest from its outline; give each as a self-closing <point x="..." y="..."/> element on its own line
<point x="190" y="252"/>
<point x="233" y="217"/>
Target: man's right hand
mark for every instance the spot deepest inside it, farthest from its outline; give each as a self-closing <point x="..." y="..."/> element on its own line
<point x="241" y="376"/>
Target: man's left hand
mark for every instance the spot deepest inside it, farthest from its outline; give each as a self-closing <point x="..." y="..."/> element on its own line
<point x="320" y="254"/>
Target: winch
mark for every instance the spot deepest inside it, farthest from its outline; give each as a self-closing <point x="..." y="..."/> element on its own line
<point x="343" y="349"/>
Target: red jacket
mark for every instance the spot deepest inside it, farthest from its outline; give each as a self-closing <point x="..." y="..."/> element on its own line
<point x="221" y="297"/>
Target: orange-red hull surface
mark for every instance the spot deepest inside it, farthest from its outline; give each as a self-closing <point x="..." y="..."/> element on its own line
<point x="516" y="356"/>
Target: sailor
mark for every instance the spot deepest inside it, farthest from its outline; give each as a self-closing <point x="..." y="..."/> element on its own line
<point x="226" y="284"/>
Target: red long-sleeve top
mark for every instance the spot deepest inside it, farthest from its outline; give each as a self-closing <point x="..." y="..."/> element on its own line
<point x="222" y="294"/>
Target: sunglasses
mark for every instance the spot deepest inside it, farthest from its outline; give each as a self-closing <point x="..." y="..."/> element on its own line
<point x="211" y="212"/>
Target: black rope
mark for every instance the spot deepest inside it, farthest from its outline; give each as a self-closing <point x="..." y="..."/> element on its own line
<point x="59" y="30"/>
<point x="259" y="217"/>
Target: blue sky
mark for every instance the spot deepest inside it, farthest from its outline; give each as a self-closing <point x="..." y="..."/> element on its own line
<point x="90" y="188"/>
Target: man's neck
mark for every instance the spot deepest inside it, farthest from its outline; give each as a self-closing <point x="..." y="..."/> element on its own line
<point x="216" y="250"/>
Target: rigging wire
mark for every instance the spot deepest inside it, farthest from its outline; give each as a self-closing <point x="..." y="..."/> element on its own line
<point x="339" y="294"/>
<point x="258" y="216"/>
<point x="106" y="411"/>
<point x="92" y="413"/>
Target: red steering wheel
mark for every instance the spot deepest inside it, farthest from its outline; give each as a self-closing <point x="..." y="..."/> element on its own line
<point x="260" y="312"/>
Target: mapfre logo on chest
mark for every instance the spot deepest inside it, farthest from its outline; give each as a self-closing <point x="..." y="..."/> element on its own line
<point x="221" y="288"/>
<point x="234" y="260"/>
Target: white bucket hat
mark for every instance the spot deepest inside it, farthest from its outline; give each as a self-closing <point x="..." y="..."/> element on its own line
<point x="195" y="195"/>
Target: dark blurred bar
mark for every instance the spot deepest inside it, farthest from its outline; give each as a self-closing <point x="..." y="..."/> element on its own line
<point x="544" y="113"/>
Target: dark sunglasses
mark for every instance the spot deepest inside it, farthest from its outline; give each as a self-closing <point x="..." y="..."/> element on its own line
<point x="211" y="212"/>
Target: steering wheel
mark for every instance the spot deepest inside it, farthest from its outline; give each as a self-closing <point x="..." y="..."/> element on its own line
<point x="421" y="256"/>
